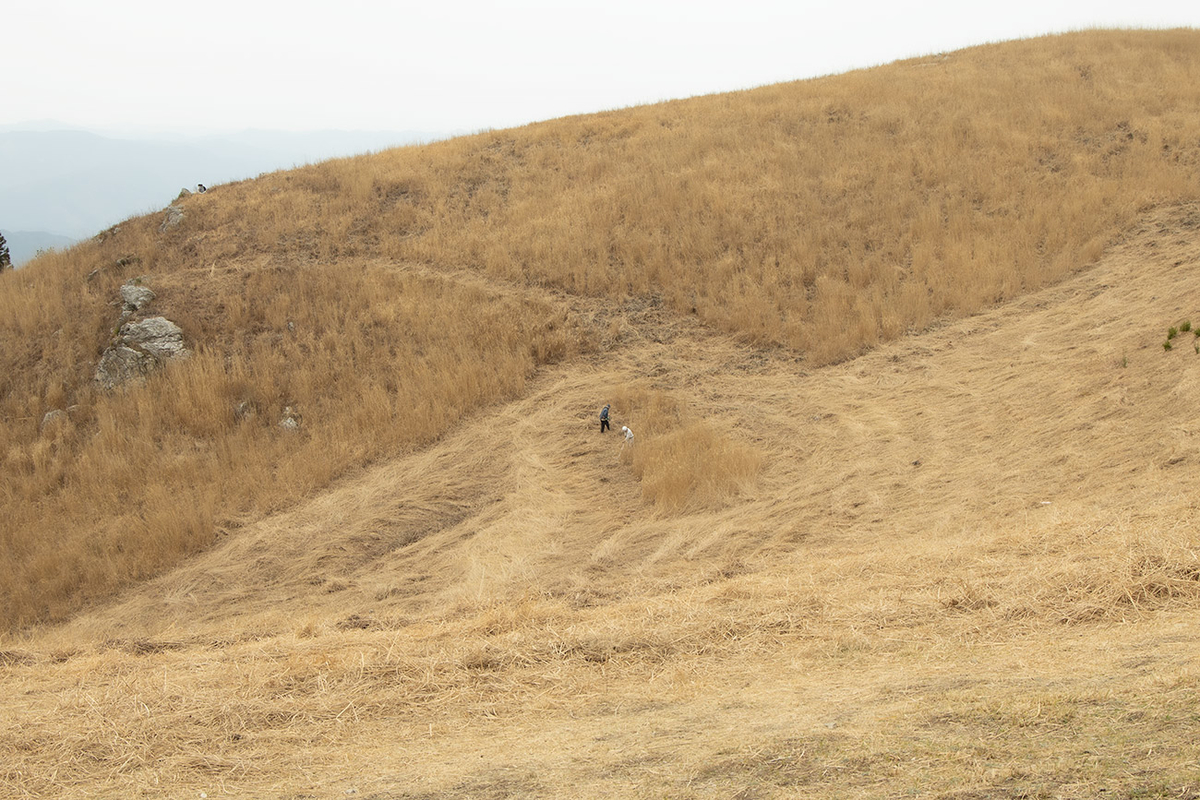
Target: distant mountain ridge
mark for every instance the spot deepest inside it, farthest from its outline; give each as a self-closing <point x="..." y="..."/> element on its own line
<point x="24" y="245"/>
<point x="72" y="183"/>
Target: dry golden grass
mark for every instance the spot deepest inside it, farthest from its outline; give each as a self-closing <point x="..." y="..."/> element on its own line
<point x="967" y="568"/>
<point x="963" y="564"/>
<point x="374" y="360"/>
<point x="682" y="460"/>
<point x="826" y="216"/>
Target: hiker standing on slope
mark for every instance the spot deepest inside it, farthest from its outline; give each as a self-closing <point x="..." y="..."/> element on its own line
<point x="604" y="419"/>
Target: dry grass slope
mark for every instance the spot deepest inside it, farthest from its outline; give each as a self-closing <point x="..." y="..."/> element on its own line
<point x="375" y="360"/>
<point x="962" y="563"/>
<point x="825" y="216"/>
<point x="967" y="569"/>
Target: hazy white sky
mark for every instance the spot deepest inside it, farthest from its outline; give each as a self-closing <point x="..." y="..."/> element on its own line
<point x="458" y="65"/>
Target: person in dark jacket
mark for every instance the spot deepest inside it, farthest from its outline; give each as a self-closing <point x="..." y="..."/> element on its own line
<point x="604" y="419"/>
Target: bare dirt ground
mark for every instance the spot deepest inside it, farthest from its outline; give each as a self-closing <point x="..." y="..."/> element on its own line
<point x="968" y="568"/>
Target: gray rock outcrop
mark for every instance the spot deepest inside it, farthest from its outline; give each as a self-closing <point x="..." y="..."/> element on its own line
<point x="135" y="296"/>
<point x="174" y="217"/>
<point x="157" y="336"/>
<point x="291" y="420"/>
<point x="138" y="349"/>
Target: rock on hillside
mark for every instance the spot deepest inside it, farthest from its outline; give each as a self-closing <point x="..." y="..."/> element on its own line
<point x="174" y="216"/>
<point x="138" y="348"/>
<point x="135" y="296"/>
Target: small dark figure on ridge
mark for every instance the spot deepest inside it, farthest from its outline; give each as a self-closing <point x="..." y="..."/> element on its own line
<point x="604" y="419"/>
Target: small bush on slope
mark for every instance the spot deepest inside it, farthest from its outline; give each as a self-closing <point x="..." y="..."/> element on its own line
<point x="682" y="461"/>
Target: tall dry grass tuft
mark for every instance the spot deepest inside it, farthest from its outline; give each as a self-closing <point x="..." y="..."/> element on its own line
<point x="682" y="461"/>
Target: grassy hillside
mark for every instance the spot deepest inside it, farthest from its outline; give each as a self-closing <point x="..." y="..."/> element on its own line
<point x="386" y="296"/>
<point x="825" y="216"/>
<point x="967" y="567"/>
<point x="374" y="360"/>
<point x="958" y="516"/>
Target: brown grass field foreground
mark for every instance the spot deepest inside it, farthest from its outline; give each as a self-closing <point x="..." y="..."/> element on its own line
<point x="912" y="356"/>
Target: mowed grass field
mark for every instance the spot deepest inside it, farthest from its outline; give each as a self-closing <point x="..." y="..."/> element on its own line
<point x="954" y="559"/>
